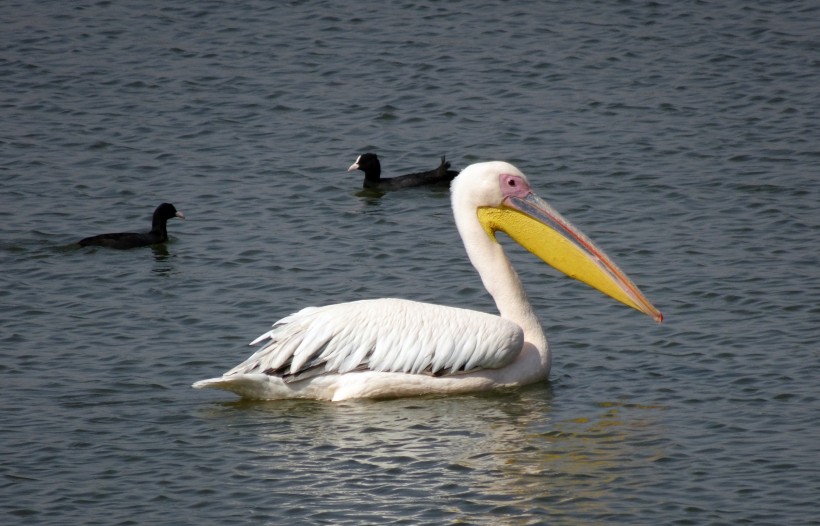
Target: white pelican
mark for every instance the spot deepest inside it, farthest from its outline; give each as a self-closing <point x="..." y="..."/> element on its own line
<point x="392" y="347"/>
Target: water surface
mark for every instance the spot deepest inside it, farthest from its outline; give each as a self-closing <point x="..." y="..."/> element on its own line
<point x="680" y="137"/>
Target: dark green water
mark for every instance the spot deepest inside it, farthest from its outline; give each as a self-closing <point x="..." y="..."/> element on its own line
<point x="681" y="137"/>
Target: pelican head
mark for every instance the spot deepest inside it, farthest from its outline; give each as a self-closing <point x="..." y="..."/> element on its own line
<point x="502" y="199"/>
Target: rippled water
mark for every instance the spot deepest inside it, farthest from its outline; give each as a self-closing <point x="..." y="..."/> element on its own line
<point x="681" y="137"/>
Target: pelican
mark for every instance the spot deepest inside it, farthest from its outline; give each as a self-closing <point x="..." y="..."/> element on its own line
<point x="384" y="348"/>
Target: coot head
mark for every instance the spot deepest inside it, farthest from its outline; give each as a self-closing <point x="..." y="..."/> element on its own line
<point x="369" y="164"/>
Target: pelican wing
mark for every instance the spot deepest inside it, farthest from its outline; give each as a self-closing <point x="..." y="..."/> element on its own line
<point x="388" y="335"/>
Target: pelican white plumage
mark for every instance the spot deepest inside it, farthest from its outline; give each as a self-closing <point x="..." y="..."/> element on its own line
<point x="392" y="347"/>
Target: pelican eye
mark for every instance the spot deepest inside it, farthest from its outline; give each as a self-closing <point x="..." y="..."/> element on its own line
<point x="514" y="186"/>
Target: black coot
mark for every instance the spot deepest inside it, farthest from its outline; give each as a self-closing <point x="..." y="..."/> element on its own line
<point x="369" y="164"/>
<point x="124" y="240"/>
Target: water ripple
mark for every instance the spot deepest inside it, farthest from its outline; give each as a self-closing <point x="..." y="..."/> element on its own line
<point x="683" y="140"/>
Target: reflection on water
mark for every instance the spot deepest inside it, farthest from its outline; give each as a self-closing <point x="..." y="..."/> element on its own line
<point x="481" y="453"/>
<point x="584" y="458"/>
<point x="163" y="259"/>
<point x="160" y="252"/>
<point x="369" y="195"/>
